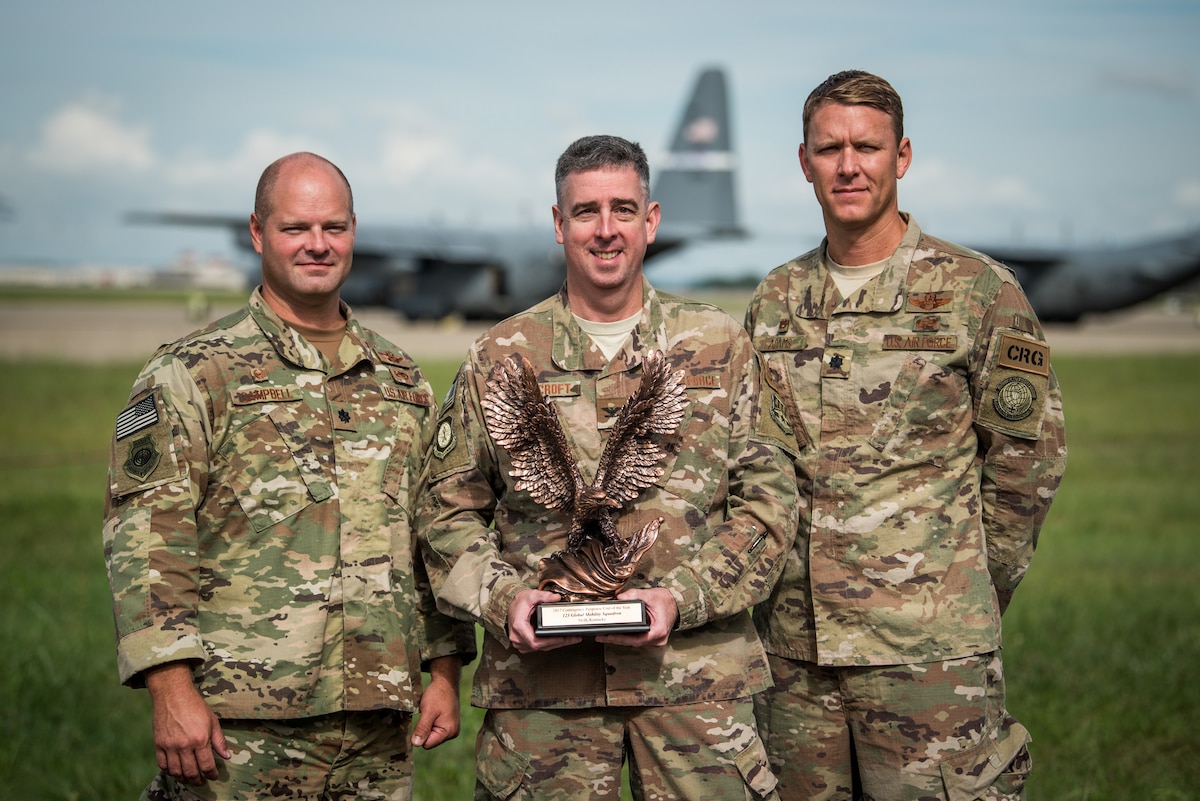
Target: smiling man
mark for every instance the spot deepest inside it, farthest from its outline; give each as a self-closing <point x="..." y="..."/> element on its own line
<point x="918" y="382"/>
<point x="264" y="570"/>
<point x="565" y="712"/>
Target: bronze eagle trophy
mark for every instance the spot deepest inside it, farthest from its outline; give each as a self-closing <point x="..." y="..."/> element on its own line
<point x="596" y="562"/>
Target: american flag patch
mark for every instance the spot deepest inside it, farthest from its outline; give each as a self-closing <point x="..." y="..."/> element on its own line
<point x="142" y="414"/>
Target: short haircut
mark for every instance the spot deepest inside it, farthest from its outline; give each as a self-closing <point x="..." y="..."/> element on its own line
<point x="601" y="152"/>
<point x="266" y="183"/>
<point x="857" y="88"/>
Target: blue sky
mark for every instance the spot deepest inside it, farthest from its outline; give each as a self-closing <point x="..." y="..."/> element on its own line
<point x="1038" y="122"/>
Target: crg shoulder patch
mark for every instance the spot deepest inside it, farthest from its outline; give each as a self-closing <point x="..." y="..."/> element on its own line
<point x="1018" y="383"/>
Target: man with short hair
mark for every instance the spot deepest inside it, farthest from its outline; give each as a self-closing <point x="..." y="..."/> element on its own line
<point x="918" y="381"/>
<point x="565" y="712"/>
<point x="266" y="583"/>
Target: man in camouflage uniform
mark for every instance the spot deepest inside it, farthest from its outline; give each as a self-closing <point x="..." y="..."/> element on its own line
<point x="258" y="532"/>
<point x="564" y="712"/>
<point x="931" y="430"/>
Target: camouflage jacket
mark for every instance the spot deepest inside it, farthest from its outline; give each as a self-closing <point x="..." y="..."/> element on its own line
<point x="727" y="495"/>
<point x="932" y="443"/>
<point x="259" y="521"/>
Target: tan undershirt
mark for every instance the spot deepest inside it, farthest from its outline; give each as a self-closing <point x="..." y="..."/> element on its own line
<point x="609" y="337"/>
<point x="327" y="340"/>
<point x="851" y="279"/>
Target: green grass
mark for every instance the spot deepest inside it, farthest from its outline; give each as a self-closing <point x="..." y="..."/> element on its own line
<point x="1101" y="642"/>
<point x="85" y="294"/>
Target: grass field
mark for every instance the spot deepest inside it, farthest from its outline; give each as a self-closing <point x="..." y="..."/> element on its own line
<point x="1102" y="642"/>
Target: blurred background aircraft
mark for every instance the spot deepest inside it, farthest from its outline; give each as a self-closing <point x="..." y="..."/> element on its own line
<point x="434" y="272"/>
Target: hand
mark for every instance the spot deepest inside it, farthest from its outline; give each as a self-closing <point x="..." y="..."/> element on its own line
<point x="441" y="715"/>
<point x="520" y="623"/>
<point x="662" y="611"/>
<point x="186" y="732"/>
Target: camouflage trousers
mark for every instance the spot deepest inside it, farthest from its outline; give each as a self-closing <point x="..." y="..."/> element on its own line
<point x="919" y="732"/>
<point x="699" y="751"/>
<point x="353" y="755"/>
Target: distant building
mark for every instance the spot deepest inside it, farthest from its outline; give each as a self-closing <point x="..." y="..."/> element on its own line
<point x="212" y="273"/>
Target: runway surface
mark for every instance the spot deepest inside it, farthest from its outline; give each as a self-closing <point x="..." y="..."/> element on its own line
<point x="117" y="332"/>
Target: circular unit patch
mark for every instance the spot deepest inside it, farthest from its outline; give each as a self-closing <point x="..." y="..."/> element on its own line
<point x="1014" y="398"/>
<point x="444" y="439"/>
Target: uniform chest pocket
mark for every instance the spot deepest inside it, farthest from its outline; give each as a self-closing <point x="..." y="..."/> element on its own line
<point x="273" y="469"/>
<point x="696" y="468"/>
<point x="922" y="417"/>
<point x="397" y="479"/>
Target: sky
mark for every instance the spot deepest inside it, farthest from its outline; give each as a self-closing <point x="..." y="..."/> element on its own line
<point x="1042" y="123"/>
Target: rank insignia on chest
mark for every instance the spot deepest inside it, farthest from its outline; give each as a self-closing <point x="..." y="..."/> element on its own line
<point x="607" y="409"/>
<point x="835" y="365"/>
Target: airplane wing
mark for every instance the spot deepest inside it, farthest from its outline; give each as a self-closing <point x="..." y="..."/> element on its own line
<point x="1064" y="284"/>
<point x="427" y="271"/>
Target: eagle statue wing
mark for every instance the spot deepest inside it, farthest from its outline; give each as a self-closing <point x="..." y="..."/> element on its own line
<point x="521" y="420"/>
<point x="636" y="444"/>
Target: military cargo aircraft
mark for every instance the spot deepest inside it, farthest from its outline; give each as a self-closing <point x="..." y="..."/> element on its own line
<point x="432" y="272"/>
<point x="1062" y="284"/>
<point x="1065" y="284"/>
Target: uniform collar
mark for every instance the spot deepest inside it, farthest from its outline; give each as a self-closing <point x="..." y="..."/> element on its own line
<point x="574" y="350"/>
<point x="294" y="348"/>
<point x="885" y="293"/>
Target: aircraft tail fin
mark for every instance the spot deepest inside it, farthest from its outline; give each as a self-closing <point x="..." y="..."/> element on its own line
<point x="695" y="181"/>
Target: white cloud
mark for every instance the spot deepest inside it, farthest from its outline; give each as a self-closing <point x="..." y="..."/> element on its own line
<point x="415" y="144"/>
<point x="404" y="155"/>
<point x="940" y="184"/>
<point x="89" y="135"/>
<point x="1188" y="193"/>
<point x="258" y="148"/>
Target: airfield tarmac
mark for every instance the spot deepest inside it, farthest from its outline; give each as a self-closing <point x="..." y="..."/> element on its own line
<point x="113" y="332"/>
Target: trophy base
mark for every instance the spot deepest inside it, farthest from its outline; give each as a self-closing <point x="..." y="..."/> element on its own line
<point x="575" y="618"/>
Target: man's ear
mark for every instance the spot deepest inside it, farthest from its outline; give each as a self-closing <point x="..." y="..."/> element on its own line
<point x="653" y="216"/>
<point x="558" y="223"/>
<point x="803" y="154"/>
<point x="256" y="233"/>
